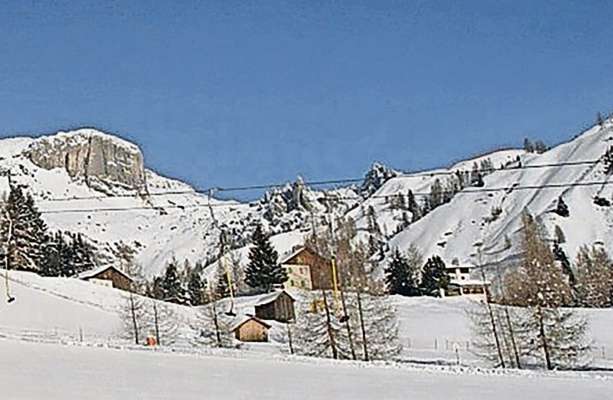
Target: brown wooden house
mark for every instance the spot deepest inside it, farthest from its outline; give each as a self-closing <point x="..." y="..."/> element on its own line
<point x="108" y="276"/>
<point x="250" y="329"/>
<point x="277" y="306"/>
<point x="304" y="264"/>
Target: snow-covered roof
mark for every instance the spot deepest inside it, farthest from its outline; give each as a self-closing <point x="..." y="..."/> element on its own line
<point x="288" y="256"/>
<point x="98" y="270"/>
<point x="270" y="297"/>
<point x="243" y="319"/>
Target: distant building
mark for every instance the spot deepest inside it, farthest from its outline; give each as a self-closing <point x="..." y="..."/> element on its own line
<point x="307" y="270"/>
<point x="277" y="306"/>
<point x="250" y="329"/>
<point x="461" y="283"/>
<point x="108" y="276"/>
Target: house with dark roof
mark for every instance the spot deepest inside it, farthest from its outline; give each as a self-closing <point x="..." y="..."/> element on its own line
<point x="307" y="270"/>
<point x="108" y="275"/>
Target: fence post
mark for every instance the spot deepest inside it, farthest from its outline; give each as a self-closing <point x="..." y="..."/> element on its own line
<point x="435" y="344"/>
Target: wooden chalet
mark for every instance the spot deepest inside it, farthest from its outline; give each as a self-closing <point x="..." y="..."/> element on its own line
<point x="307" y="270"/>
<point x="277" y="306"/>
<point x="108" y="276"/>
<point x="250" y="329"/>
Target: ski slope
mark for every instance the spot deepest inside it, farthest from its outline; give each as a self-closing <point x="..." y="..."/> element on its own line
<point x="66" y="310"/>
<point x="452" y="230"/>
<point x="55" y="372"/>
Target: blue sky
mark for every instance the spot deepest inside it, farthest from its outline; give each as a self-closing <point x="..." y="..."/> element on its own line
<point x="231" y="93"/>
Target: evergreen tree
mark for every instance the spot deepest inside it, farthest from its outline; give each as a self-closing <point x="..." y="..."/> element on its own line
<point x="196" y="288"/>
<point x="28" y="232"/>
<point x="171" y="287"/>
<point x="413" y="207"/>
<point x="607" y="160"/>
<point x="81" y="255"/>
<point x="599" y="119"/>
<point x="263" y="271"/>
<point x="400" y="276"/>
<point x="434" y="277"/>
<point x="528" y="146"/>
<point x="560" y="256"/>
<point x="53" y="255"/>
<point x="562" y="208"/>
<point x="436" y="194"/>
<point x="560" y="238"/>
<point x="540" y="147"/>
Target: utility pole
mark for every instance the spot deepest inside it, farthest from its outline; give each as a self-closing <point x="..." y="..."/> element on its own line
<point x="7" y="252"/>
<point x="157" y="326"/>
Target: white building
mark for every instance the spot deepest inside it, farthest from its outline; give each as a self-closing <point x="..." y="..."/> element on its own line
<point x="462" y="284"/>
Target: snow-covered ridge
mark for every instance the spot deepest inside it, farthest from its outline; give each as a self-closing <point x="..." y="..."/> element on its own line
<point x="87" y="163"/>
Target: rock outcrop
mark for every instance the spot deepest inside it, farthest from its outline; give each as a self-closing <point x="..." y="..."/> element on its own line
<point x="101" y="160"/>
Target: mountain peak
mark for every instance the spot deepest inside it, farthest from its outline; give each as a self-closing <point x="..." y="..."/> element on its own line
<point x="101" y="159"/>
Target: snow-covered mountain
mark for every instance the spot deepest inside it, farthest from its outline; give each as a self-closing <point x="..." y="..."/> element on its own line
<point x="97" y="184"/>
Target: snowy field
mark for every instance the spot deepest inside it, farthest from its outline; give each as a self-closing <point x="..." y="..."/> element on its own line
<point x="56" y="372"/>
<point x="65" y="310"/>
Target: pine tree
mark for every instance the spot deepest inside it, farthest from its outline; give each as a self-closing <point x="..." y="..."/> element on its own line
<point x="560" y="256"/>
<point x="263" y="272"/>
<point x="528" y="146"/>
<point x="434" y="277"/>
<point x="81" y="255"/>
<point x="413" y="207"/>
<point x="560" y="238"/>
<point x="28" y="232"/>
<point x="400" y="276"/>
<point x="436" y="194"/>
<point x="562" y="208"/>
<point x="196" y="288"/>
<point x="540" y="147"/>
<point x="607" y="160"/>
<point x="53" y="255"/>
<point x="599" y="119"/>
<point x="171" y="287"/>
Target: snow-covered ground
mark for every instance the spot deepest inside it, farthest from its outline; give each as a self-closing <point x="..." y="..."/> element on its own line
<point x="55" y="372"/>
<point x="69" y="310"/>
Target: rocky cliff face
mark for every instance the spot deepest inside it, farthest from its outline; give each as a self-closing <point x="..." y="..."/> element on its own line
<point x="101" y="160"/>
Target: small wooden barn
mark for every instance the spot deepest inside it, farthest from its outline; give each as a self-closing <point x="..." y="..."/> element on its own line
<point x="108" y="276"/>
<point x="250" y="329"/>
<point x="277" y="306"/>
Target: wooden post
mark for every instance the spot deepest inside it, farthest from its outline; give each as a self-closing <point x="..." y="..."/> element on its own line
<point x="289" y="337"/>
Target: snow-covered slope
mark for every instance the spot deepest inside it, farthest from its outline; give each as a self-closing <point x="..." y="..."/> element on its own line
<point x="54" y="372"/>
<point x="95" y="183"/>
<point x="453" y="229"/>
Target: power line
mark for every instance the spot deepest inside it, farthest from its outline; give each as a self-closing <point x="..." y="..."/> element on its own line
<point x="337" y="198"/>
<point x="319" y="182"/>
